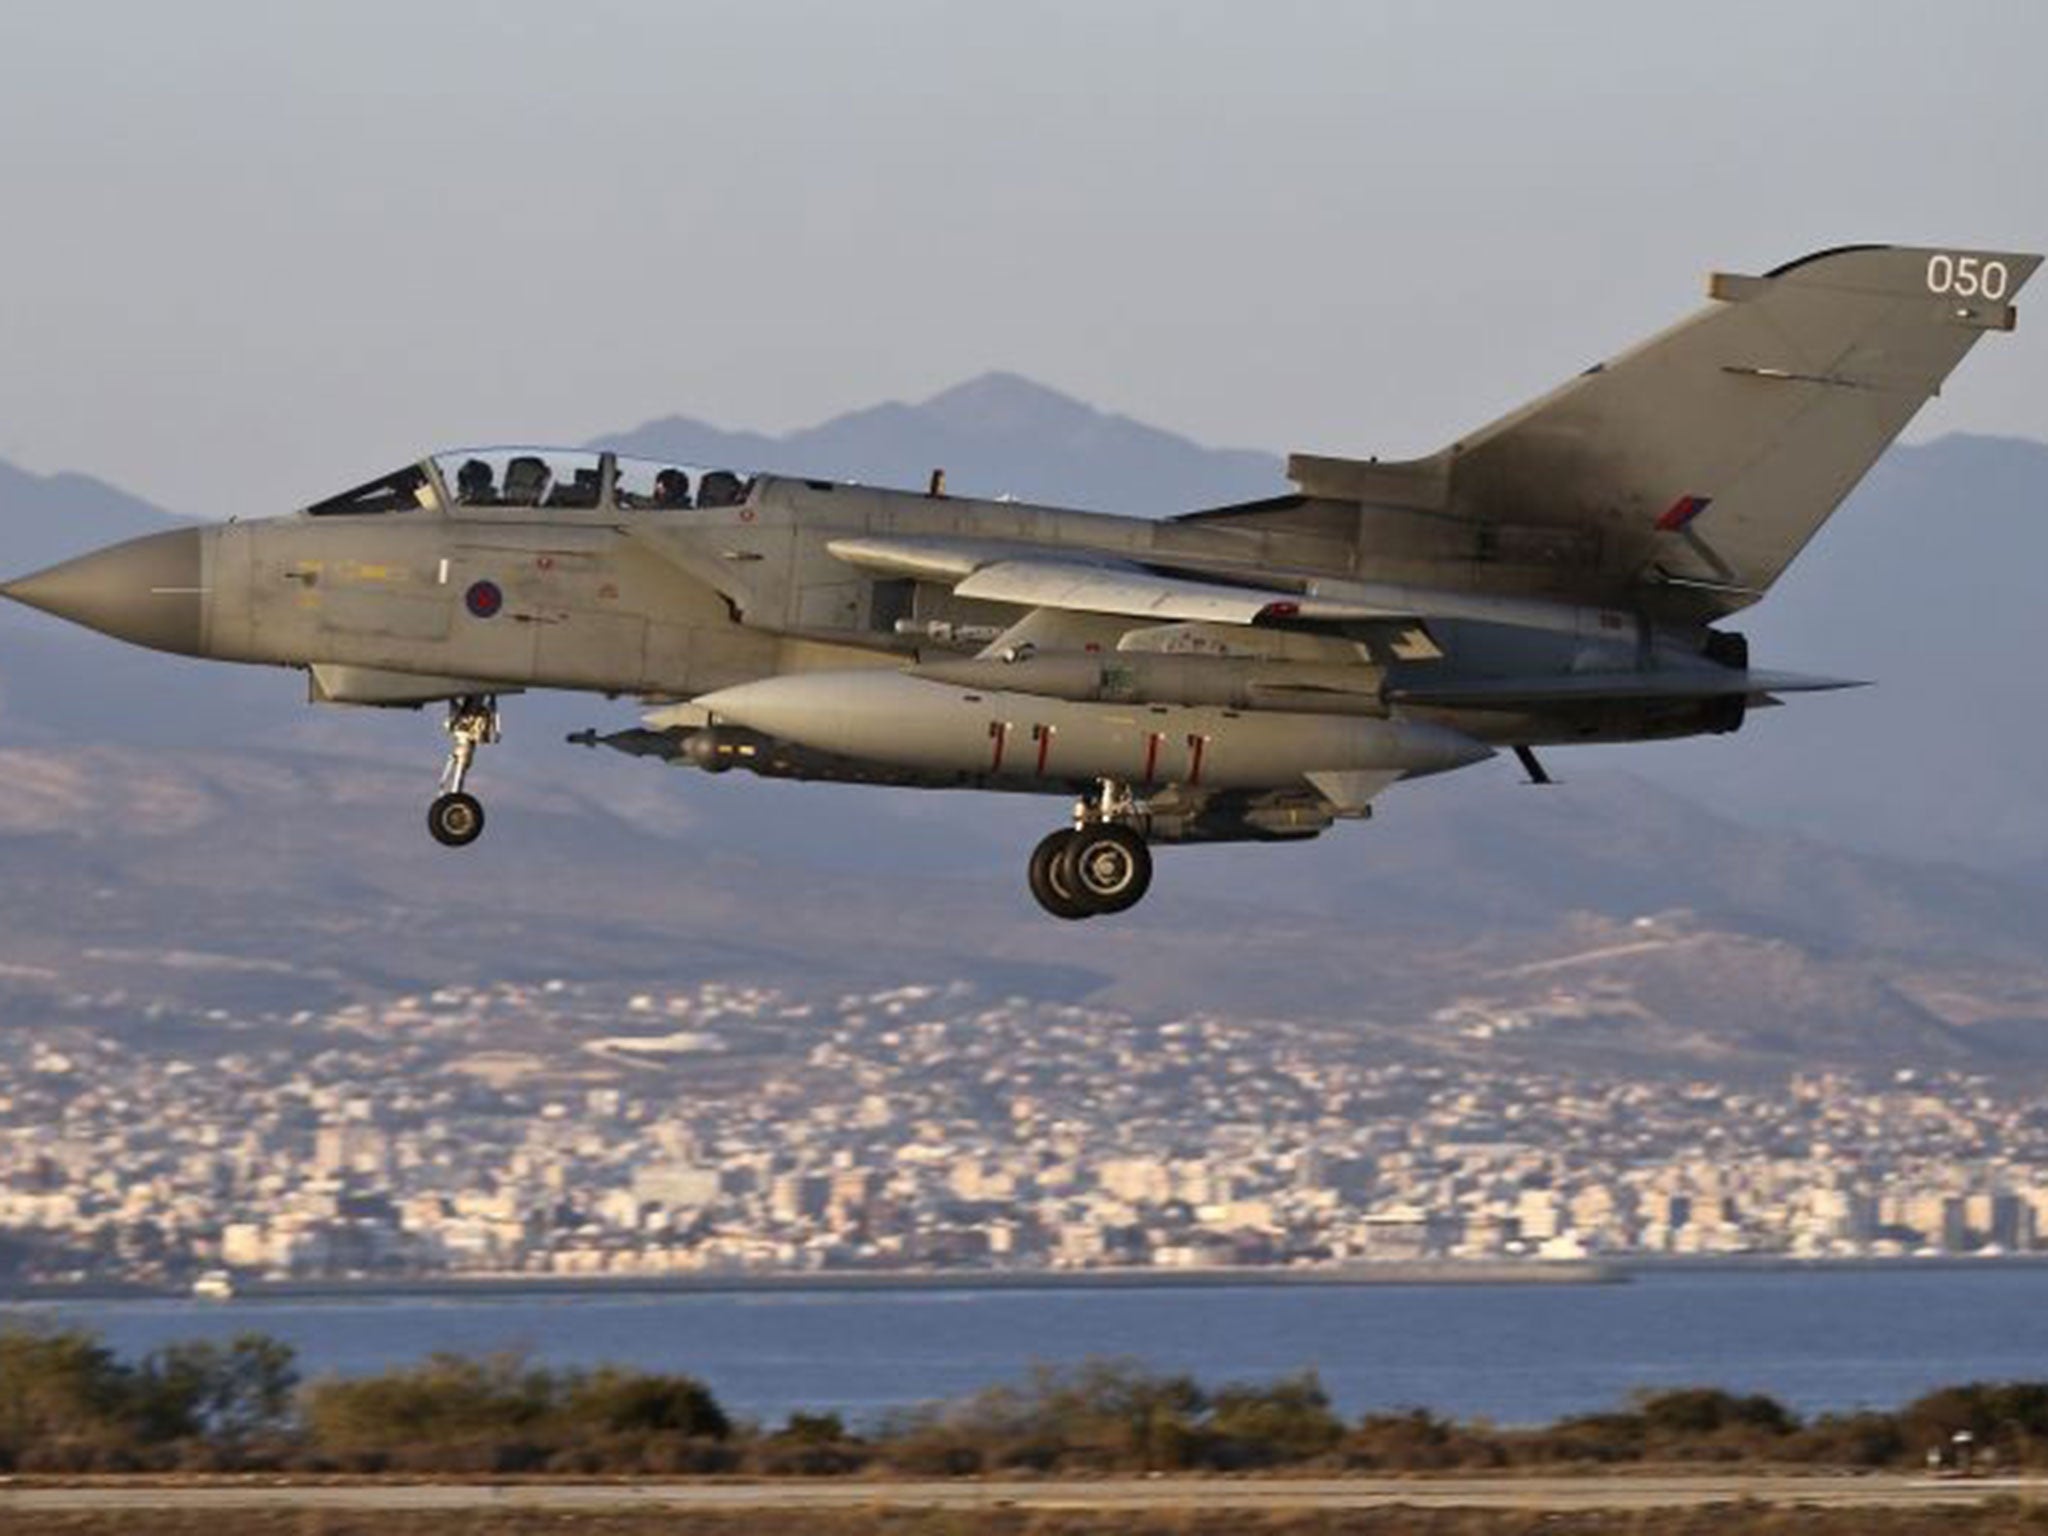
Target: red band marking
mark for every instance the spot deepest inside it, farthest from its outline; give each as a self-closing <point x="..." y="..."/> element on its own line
<point x="1152" y="740"/>
<point x="1195" y="746"/>
<point x="1042" y="734"/>
<point x="999" y="734"/>
<point x="1681" y="512"/>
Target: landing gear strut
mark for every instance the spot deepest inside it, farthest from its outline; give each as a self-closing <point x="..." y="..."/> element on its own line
<point x="456" y="818"/>
<point x="1101" y="866"/>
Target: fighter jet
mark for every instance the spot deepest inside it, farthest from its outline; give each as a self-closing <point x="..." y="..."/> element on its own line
<point x="1253" y="672"/>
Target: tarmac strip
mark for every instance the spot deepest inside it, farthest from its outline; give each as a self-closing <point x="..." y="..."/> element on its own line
<point x="1527" y="1493"/>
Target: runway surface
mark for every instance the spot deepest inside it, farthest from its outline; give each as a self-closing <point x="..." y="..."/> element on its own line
<point x="1536" y="1493"/>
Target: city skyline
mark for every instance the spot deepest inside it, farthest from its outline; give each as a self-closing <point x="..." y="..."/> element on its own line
<point x="581" y="1130"/>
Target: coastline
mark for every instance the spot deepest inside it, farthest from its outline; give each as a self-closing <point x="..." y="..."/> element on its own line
<point x="1619" y="1270"/>
<point x="1472" y="1273"/>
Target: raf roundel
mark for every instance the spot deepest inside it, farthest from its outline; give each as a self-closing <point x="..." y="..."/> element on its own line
<point x="483" y="599"/>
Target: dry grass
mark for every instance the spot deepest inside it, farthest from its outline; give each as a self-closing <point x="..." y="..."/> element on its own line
<point x="2000" y="1519"/>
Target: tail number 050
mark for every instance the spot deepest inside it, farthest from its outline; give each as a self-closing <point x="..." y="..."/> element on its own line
<point x="1967" y="277"/>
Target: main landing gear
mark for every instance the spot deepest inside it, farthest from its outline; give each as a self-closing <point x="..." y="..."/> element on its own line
<point x="1101" y="865"/>
<point x="456" y="818"/>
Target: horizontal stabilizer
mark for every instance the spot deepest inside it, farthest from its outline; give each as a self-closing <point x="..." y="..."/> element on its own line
<point x="1597" y="687"/>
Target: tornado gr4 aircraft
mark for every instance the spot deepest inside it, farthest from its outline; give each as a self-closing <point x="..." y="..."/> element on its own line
<point x="1243" y="673"/>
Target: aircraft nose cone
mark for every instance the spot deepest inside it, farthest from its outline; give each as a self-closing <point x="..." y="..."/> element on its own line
<point x="149" y="591"/>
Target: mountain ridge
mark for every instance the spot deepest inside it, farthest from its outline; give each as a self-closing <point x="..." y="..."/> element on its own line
<point x="997" y="434"/>
<point x="153" y="806"/>
<point x="47" y="518"/>
<point x="1922" y="582"/>
<point x="279" y="879"/>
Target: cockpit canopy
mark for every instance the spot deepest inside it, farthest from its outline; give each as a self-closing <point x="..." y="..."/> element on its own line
<point x="568" y="479"/>
<point x="405" y="490"/>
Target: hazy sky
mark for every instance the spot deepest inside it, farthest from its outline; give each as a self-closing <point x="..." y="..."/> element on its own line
<point x="253" y="251"/>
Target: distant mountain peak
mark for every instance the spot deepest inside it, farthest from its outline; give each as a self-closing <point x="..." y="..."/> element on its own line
<point x="47" y="518"/>
<point x="998" y="433"/>
<point x="1004" y="403"/>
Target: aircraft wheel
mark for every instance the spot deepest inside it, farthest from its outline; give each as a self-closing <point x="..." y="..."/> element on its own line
<point x="456" y="820"/>
<point x="1108" y="867"/>
<point x="1049" y="881"/>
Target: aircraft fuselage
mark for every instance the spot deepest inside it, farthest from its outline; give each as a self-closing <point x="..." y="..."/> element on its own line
<point x="1256" y="671"/>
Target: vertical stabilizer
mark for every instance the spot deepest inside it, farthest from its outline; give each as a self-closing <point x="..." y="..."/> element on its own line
<point x="1704" y="458"/>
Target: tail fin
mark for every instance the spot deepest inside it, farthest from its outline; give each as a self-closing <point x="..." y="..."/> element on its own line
<point x="1707" y="456"/>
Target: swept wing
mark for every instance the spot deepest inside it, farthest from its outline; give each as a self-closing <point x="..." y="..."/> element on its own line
<point x="1088" y="584"/>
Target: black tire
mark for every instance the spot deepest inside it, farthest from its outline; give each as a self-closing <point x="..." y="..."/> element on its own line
<point x="1048" y="881"/>
<point x="456" y="820"/>
<point x="1107" y="867"/>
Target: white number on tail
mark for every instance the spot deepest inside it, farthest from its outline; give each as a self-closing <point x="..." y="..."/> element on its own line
<point x="1967" y="277"/>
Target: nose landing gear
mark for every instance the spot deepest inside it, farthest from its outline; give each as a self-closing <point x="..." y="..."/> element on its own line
<point x="456" y="818"/>
<point x="1101" y="866"/>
